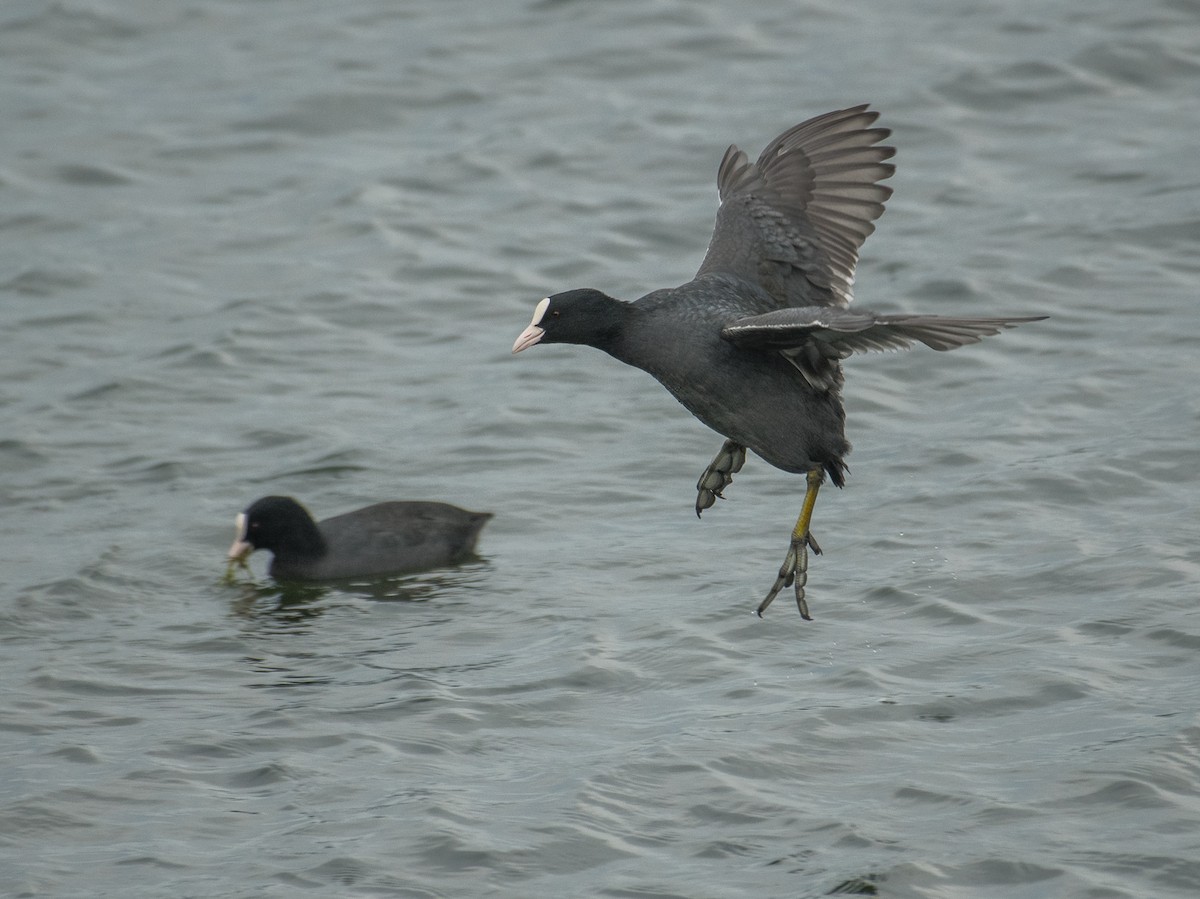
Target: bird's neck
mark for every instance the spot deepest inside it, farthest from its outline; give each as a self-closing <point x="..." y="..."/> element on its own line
<point x="305" y="541"/>
<point x="613" y="322"/>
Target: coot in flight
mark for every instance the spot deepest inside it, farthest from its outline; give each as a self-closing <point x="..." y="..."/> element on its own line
<point x="753" y="345"/>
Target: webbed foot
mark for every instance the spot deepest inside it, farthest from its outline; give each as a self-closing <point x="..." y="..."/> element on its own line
<point x="719" y="475"/>
<point x="793" y="573"/>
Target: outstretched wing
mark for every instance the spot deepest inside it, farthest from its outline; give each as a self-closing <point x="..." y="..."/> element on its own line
<point x="793" y="221"/>
<point x="815" y="340"/>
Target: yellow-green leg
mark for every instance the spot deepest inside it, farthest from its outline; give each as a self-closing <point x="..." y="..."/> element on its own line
<point x="794" y="570"/>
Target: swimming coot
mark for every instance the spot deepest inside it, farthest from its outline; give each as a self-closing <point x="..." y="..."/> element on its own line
<point x="753" y="345"/>
<point x="386" y="538"/>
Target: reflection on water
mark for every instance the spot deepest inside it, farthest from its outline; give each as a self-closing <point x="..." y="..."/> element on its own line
<point x="280" y="607"/>
<point x="288" y="606"/>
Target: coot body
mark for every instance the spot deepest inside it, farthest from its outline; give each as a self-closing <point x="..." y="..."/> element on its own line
<point x="381" y="539"/>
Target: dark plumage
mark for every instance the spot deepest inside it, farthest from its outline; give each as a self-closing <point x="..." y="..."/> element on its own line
<point x="386" y="538"/>
<point x="753" y="345"/>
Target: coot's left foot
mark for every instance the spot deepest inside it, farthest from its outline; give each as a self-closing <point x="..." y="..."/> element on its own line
<point x="719" y="474"/>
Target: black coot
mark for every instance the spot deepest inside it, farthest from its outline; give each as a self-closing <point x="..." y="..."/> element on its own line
<point x="386" y="538"/>
<point x="753" y="345"/>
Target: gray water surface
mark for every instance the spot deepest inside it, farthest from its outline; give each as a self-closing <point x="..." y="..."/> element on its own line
<point x="251" y="248"/>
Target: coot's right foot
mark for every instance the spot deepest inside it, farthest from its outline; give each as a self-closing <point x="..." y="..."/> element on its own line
<point x="794" y="570"/>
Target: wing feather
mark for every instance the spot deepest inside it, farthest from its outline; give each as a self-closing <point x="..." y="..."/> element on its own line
<point x="793" y="221"/>
<point x="816" y="339"/>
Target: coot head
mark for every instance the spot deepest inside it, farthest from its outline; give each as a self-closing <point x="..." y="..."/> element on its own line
<point x="278" y="524"/>
<point x="583" y="316"/>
